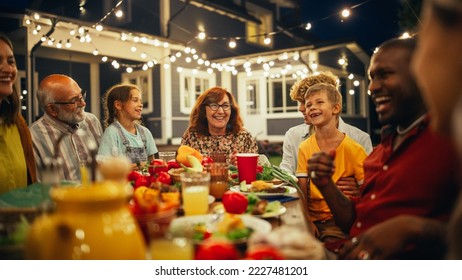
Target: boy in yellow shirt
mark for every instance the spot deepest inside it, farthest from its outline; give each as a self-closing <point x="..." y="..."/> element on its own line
<point x="323" y="104"/>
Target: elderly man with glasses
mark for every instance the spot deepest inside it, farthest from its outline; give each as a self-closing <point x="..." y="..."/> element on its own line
<point x="65" y="130"/>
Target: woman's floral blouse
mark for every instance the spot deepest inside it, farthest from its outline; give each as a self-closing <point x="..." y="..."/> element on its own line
<point x="242" y="142"/>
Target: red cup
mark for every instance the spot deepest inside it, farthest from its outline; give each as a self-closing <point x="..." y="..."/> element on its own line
<point x="247" y="167"/>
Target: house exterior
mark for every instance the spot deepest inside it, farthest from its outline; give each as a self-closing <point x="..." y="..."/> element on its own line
<point x="156" y="46"/>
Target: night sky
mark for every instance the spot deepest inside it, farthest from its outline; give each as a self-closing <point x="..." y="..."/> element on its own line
<point x="371" y="23"/>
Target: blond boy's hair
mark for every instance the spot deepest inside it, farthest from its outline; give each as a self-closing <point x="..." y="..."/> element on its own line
<point x="298" y="90"/>
<point x="333" y="95"/>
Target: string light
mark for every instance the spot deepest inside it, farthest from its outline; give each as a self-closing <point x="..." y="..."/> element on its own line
<point x="84" y="36"/>
<point x="345" y="13"/>
<point x="232" y="43"/>
<point x="201" y="35"/>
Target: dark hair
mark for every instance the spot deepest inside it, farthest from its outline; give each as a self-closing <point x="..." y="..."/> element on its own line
<point x="408" y="43"/>
<point x="10" y="106"/>
<point x="198" y="119"/>
<point x="119" y="92"/>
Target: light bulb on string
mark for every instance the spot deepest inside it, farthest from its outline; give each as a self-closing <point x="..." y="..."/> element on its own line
<point x="201" y="35"/>
<point x="345" y="13"/>
<point x="267" y="40"/>
<point x="232" y="43"/>
<point x="119" y="13"/>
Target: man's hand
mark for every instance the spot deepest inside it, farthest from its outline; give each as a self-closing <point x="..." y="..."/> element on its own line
<point x="349" y="186"/>
<point x="320" y="168"/>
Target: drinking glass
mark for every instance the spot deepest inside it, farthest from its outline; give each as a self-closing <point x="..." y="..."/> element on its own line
<point x="218" y="156"/>
<point x="164" y="245"/>
<point x="167" y="155"/>
<point x="195" y="192"/>
<point x="219" y="178"/>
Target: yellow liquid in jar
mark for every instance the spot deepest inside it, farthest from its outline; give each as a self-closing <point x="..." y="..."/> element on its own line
<point x="171" y="249"/>
<point x="196" y="200"/>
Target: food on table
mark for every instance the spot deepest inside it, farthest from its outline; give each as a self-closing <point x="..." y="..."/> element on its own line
<point x="260" y="186"/>
<point x="172" y="164"/>
<point x="216" y="250"/>
<point x="258" y="206"/>
<point x="156" y="166"/>
<point x="235" y="202"/>
<point x="194" y="165"/>
<point x="151" y="200"/>
<point x="263" y="252"/>
<point x="185" y="151"/>
<point x="229" y="227"/>
<point x="291" y="242"/>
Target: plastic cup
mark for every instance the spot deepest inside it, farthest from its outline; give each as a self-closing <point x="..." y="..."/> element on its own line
<point x="219" y="178"/>
<point x="195" y="192"/>
<point x="168" y="155"/>
<point x="247" y="167"/>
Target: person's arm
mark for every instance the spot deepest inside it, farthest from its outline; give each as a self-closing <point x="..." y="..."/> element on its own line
<point x="289" y="155"/>
<point x="321" y="167"/>
<point x="390" y="238"/>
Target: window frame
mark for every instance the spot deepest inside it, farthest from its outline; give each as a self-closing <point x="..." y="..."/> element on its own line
<point x="137" y="77"/>
<point x="192" y="95"/>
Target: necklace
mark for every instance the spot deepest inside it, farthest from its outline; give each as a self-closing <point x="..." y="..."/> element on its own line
<point x="409" y="128"/>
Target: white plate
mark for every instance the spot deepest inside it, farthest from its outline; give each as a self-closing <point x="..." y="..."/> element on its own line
<point x="211" y="199"/>
<point x="290" y="191"/>
<point x="257" y="224"/>
<point x="281" y="211"/>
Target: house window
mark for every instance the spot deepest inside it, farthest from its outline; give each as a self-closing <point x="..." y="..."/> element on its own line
<point x="143" y="79"/>
<point x="255" y="32"/>
<point x="279" y="100"/>
<point x="192" y="84"/>
<point x="252" y="100"/>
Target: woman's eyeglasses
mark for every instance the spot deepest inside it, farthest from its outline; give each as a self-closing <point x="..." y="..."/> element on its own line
<point x="215" y="106"/>
<point x="74" y="101"/>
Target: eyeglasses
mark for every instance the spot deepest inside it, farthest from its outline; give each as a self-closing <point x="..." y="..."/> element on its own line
<point x="215" y="106"/>
<point x="73" y="101"/>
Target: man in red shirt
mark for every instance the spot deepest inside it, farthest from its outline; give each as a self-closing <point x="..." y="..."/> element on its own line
<point x="411" y="173"/>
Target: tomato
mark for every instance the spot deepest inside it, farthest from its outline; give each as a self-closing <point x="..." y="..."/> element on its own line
<point x="206" y="160"/>
<point x="235" y="202"/>
<point x="171" y="164"/>
<point x="142" y="181"/>
<point x="164" y="178"/>
<point x="264" y="252"/>
<point x="212" y="249"/>
<point x="157" y="166"/>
